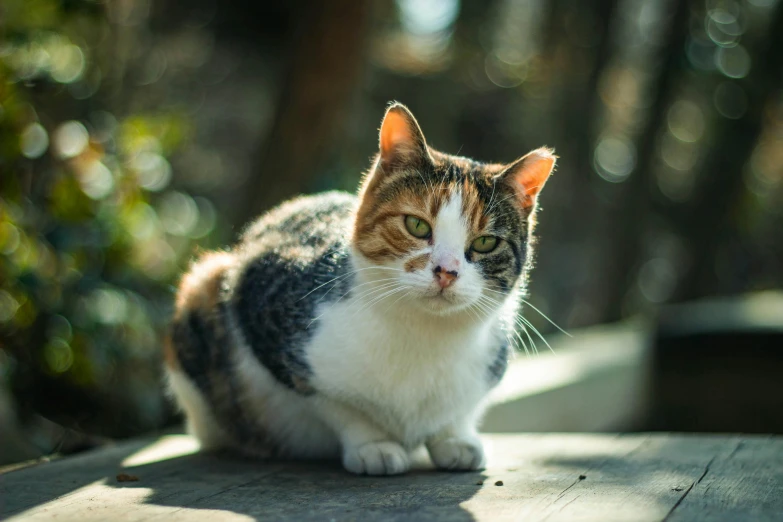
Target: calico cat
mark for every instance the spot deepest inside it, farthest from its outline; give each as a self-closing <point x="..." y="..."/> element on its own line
<point x="362" y="327"/>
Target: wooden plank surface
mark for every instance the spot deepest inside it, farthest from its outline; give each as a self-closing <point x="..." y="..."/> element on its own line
<point x="544" y="477"/>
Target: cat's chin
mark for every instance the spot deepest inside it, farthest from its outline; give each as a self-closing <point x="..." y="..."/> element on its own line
<point x="443" y="305"/>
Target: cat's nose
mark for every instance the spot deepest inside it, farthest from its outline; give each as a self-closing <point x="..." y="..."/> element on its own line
<point x="445" y="277"/>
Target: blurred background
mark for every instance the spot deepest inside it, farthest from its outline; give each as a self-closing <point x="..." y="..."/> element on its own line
<point x="135" y="132"/>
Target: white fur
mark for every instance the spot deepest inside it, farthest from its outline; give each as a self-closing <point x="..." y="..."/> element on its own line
<point x="395" y="366"/>
<point x="200" y="421"/>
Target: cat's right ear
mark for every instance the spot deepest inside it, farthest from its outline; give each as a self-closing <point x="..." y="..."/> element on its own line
<point x="401" y="141"/>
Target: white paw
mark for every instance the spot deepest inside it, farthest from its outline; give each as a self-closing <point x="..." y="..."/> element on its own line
<point x="457" y="454"/>
<point x="376" y="458"/>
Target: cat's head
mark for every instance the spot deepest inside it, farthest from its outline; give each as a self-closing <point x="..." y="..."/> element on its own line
<point x="440" y="232"/>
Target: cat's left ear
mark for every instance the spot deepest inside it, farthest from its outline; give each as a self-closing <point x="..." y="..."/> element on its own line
<point x="528" y="174"/>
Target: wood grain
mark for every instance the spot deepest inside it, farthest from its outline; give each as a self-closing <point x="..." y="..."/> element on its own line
<point x="551" y="477"/>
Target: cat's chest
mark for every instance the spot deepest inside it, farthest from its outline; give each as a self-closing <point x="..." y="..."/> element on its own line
<point x="410" y="376"/>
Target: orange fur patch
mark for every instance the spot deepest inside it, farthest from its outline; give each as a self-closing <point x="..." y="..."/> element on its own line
<point x="200" y="287"/>
<point x="170" y="354"/>
<point x="417" y="263"/>
<point x="380" y="232"/>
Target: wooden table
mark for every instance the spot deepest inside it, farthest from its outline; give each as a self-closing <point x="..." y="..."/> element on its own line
<point x="529" y="477"/>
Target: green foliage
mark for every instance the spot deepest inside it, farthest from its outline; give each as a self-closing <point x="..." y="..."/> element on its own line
<point x="91" y="233"/>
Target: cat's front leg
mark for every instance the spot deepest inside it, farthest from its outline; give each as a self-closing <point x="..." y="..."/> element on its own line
<point x="366" y="448"/>
<point x="457" y="448"/>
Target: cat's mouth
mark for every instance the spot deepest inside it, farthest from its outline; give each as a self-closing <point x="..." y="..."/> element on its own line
<point x="442" y="298"/>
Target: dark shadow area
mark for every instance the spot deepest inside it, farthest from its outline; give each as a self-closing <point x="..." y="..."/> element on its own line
<point x="263" y="490"/>
<point x="717" y="366"/>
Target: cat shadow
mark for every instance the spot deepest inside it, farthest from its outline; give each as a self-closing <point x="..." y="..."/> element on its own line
<point x="322" y="490"/>
<point x="206" y="484"/>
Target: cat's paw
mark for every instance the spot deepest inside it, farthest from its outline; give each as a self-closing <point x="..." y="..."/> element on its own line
<point x="377" y="458"/>
<point x="457" y="454"/>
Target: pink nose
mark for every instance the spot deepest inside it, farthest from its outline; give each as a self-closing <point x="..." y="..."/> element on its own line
<point x="445" y="277"/>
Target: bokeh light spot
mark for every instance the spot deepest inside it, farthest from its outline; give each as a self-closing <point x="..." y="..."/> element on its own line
<point x="678" y="154"/>
<point x="734" y="62"/>
<point x="142" y="221"/>
<point x="686" y="121"/>
<point x="9" y="238"/>
<point x="206" y="218"/>
<point x="96" y="180"/>
<point x="178" y="213"/>
<point x="427" y="16"/>
<point x="59" y="327"/>
<point x="34" y="141"/>
<point x="701" y="54"/>
<point x="108" y="306"/>
<point x="730" y="100"/>
<point x="8" y="306"/>
<point x="70" y="139"/>
<point x="58" y="355"/>
<point x="152" y="169"/>
<point x="614" y="158"/>
<point x="67" y="64"/>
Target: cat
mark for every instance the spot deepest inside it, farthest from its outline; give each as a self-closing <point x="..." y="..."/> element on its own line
<point x="363" y="327"/>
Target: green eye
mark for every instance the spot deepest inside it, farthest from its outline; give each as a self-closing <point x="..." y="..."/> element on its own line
<point x="484" y="244"/>
<point x="417" y="227"/>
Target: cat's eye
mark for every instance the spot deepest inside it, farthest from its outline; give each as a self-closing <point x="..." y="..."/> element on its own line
<point x="484" y="244"/>
<point x="418" y="227"/>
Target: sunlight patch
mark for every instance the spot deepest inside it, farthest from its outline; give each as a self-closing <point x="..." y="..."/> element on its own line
<point x="165" y="448"/>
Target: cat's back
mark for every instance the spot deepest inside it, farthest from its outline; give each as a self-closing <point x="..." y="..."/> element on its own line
<point x="293" y="248"/>
<point x="289" y="261"/>
<point x="302" y="227"/>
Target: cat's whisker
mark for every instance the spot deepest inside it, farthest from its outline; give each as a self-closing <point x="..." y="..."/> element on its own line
<point x="501" y="201"/>
<point x="485" y="299"/>
<point x="372" y="294"/>
<point x="472" y="309"/>
<point x="490" y="300"/>
<point x="530" y="338"/>
<point x="544" y="316"/>
<point x="496" y="291"/>
<point x="349" y="274"/>
<point x="478" y="311"/>
<point x="358" y="297"/>
<point x="403" y="296"/>
<point x="492" y="197"/>
<point x="374" y="281"/>
<point x="369" y="291"/>
<point x="495" y="303"/>
<point x="528" y="324"/>
<point x="429" y="184"/>
<point x="524" y="344"/>
<point x="376" y="300"/>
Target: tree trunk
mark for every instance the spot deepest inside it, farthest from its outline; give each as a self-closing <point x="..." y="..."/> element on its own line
<point x="324" y="67"/>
